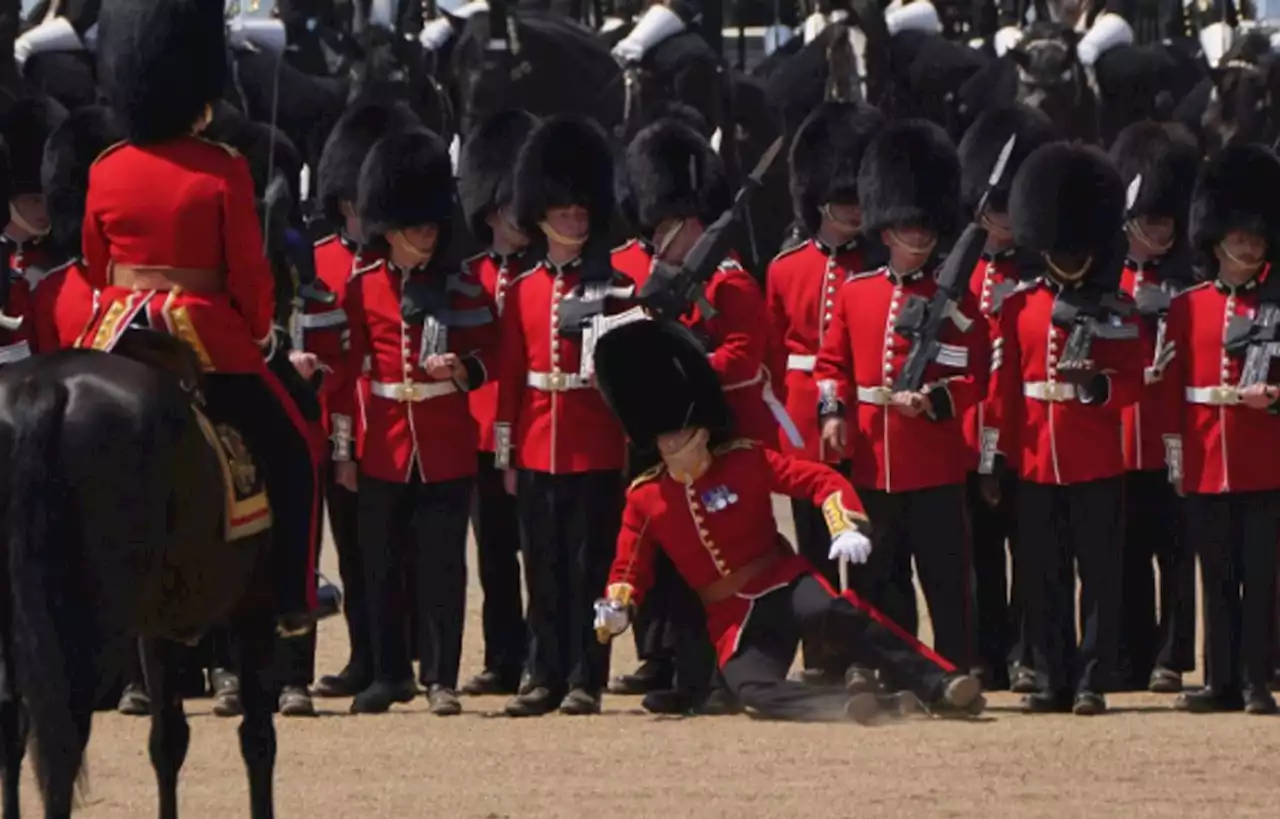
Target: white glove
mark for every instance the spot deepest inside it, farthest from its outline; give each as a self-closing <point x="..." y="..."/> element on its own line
<point x="268" y="35"/>
<point x="657" y="24"/>
<point x="854" y="547"/>
<point x="612" y="618"/>
<point x="1007" y="40"/>
<point x="435" y="33"/>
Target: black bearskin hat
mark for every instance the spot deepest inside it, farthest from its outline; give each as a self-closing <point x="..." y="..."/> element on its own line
<point x="407" y="181"/>
<point x="27" y="124"/>
<point x="486" y="165"/>
<point x="1167" y="158"/>
<point x="565" y="161"/>
<point x="981" y="147"/>
<point x="161" y="62"/>
<point x="1067" y="199"/>
<point x="361" y="125"/>
<point x="910" y="175"/>
<point x="656" y="379"/>
<point x="64" y="172"/>
<point x="1236" y="191"/>
<point x="672" y="173"/>
<point x="826" y="155"/>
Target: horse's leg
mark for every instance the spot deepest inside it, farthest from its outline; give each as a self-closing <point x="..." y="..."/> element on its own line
<point x="170" y="733"/>
<point x="255" y="640"/>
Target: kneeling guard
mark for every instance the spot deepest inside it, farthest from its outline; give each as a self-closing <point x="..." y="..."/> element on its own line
<point x="706" y="505"/>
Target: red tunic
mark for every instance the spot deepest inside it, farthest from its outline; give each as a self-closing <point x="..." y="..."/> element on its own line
<point x="992" y="279"/>
<point x="61" y="306"/>
<point x="635" y="259"/>
<point x="323" y="329"/>
<point x="549" y="411"/>
<point x="494" y="272"/>
<point x="16" y="345"/>
<point x="1226" y="447"/>
<point x="859" y="361"/>
<point x="1143" y="419"/>
<point x="801" y="288"/>
<point x="187" y="203"/>
<point x="1061" y="441"/>
<point x="717" y="525"/>
<point x="411" y="419"/>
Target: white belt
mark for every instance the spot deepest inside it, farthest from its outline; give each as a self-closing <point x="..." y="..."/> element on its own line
<point x="557" y="382"/>
<point x="10" y="353"/>
<point x="880" y="396"/>
<point x="751" y="382"/>
<point x="1051" y="391"/>
<point x="804" y="363"/>
<point x="410" y="391"/>
<point x="1223" y="396"/>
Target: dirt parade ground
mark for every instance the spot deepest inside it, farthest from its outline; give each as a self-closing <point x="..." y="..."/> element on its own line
<point x="1141" y="760"/>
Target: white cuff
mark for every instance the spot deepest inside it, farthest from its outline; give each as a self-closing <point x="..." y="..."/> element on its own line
<point x="52" y="35"/>
<point x="464" y="12"/>
<point x="1007" y="40"/>
<point x="265" y="34"/>
<point x="657" y="24"/>
<point x="918" y="16"/>
<point x="1108" y="31"/>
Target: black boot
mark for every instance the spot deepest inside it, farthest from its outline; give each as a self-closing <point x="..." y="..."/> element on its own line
<point x="490" y="682"/>
<point x="1208" y="701"/>
<point x="379" y="697"/>
<point x="652" y="675"/>
<point x="346" y="683"/>
<point x="535" y="702"/>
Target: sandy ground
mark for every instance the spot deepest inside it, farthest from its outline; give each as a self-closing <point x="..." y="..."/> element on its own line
<point x="1141" y="760"/>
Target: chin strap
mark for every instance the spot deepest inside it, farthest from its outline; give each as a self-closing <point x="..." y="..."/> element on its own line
<point x="690" y="461"/>
<point x="16" y="218"/>
<point x="559" y="238"/>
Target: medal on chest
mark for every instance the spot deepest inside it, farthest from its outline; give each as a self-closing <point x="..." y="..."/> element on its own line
<point x="718" y="499"/>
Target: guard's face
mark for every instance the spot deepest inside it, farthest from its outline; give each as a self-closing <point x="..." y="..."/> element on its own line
<point x="847" y="217"/>
<point x="1240" y="254"/>
<point x="1157" y="230"/>
<point x="998" y="224"/>
<point x="671" y="443"/>
<point x="571" y="221"/>
<point x="910" y="246"/>
<point x="413" y="246"/>
<point x="504" y="228"/>
<point x="30" y="207"/>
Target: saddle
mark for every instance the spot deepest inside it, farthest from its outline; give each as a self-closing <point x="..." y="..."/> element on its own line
<point x="247" y="510"/>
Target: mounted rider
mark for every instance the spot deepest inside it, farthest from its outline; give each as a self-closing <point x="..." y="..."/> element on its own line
<point x="1101" y="26"/>
<point x="152" y="244"/>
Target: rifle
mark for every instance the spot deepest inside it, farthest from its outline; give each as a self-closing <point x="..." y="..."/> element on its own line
<point x="921" y="319"/>
<point x="1257" y="337"/>
<point x="1089" y="320"/>
<point x="672" y="290"/>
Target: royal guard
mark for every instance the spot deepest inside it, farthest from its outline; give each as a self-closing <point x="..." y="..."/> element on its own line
<point x="707" y="506"/>
<point x="1221" y="445"/>
<point x="801" y="287"/>
<point x="484" y="188"/>
<point x="908" y="453"/>
<point x="26" y="126"/>
<point x="1068" y="363"/>
<point x="323" y="329"/>
<point x="1158" y="163"/>
<point x="62" y="300"/>
<point x="172" y="239"/>
<point x="552" y="430"/>
<point x="428" y="334"/>
<point x="1003" y="654"/>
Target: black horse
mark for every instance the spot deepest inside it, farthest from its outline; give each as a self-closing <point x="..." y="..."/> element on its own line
<point x="114" y="527"/>
<point x="1052" y="79"/>
<point x="1237" y="97"/>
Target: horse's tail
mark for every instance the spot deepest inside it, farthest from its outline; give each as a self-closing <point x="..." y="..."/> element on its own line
<point x="39" y="558"/>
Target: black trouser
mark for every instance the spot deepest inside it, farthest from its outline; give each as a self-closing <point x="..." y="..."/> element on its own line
<point x="813" y="542"/>
<point x="655" y="629"/>
<point x="1236" y="535"/>
<point x="493" y="516"/>
<point x="1154" y="531"/>
<point x="568" y="532"/>
<point x="674" y="631"/>
<point x="757" y="672"/>
<point x="428" y="522"/>
<point x="343" y="504"/>
<point x="1001" y="639"/>
<point x="929" y="525"/>
<point x="1062" y="529"/>
<point x="294" y="661"/>
<point x="284" y="455"/>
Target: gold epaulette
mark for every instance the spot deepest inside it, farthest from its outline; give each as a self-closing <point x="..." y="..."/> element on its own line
<point x="628" y="243"/>
<point x="865" y="274"/>
<point x="109" y="149"/>
<point x="735" y="444"/>
<point x="224" y="146"/>
<point x="359" y="266"/>
<point x="651" y="474"/>
<point x="467" y="261"/>
<point x="324" y="240"/>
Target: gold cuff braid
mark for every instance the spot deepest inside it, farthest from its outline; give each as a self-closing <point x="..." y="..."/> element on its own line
<point x="620" y="593"/>
<point x="839" y="518"/>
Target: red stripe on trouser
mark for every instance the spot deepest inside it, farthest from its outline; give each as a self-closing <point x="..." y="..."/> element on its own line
<point x="314" y="449"/>
<point x="883" y="619"/>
